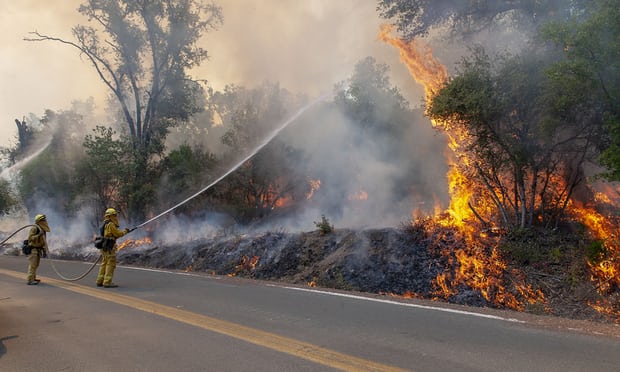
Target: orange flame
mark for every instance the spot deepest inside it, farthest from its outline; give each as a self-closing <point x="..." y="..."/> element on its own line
<point x="433" y="75"/>
<point x="134" y="243"/>
<point x="283" y="202"/>
<point x="475" y="267"/>
<point x="418" y="58"/>
<point x="472" y="264"/>
<point x="314" y="186"/>
<point x="246" y="264"/>
<point x="359" y="195"/>
<point x="604" y="270"/>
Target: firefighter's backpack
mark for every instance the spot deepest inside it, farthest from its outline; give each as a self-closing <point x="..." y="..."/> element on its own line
<point x="26" y="248"/>
<point x="104" y="243"/>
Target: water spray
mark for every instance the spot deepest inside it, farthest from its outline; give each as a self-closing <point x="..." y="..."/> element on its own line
<point x="6" y="172"/>
<point x="248" y="157"/>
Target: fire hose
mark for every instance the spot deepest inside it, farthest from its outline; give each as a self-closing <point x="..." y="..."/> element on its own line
<point x="248" y="157"/>
<point x="52" y="261"/>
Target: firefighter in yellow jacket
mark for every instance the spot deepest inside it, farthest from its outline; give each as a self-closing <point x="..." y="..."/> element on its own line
<point x="111" y="232"/>
<point x="38" y="242"/>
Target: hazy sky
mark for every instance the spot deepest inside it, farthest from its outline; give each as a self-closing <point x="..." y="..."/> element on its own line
<point x="307" y="46"/>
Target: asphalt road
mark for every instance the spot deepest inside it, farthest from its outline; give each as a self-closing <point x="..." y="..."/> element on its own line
<point x="174" y="321"/>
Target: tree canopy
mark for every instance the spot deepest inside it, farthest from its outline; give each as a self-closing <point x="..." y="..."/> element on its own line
<point x="142" y="51"/>
<point x="514" y="153"/>
<point x="273" y="177"/>
<point x="588" y="76"/>
<point x="414" y="18"/>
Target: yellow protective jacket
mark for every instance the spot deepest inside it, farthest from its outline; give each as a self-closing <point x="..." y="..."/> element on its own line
<point x="36" y="237"/>
<point x="112" y="231"/>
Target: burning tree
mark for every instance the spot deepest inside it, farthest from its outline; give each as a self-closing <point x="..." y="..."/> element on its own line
<point x="521" y="166"/>
<point x="520" y="134"/>
<point x="273" y="177"/>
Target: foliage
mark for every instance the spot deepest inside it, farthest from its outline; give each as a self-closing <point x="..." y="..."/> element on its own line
<point x="142" y="51"/>
<point x="8" y="199"/>
<point x="272" y="177"/>
<point x="553" y="253"/>
<point x="48" y="176"/>
<point x="415" y="18"/>
<point x="519" y="157"/>
<point x="143" y="60"/>
<point x="185" y="169"/>
<point x="382" y="128"/>
<point x="324" y="225"/>
<point x="370" y="101"/>
<point x="104" y="169"/>
<point x="596" y="252"/>
<point x="588" y="75"/>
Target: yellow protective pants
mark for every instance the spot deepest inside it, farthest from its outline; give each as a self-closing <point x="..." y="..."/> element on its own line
<point x="108" y="264"/>
<point x="33" y="263"/>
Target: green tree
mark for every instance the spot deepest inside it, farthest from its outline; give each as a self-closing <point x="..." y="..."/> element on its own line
<point x="48" y="176"/>
<point x="101" y="175"/>
<point x="588" y="77"/>
<point x="370" y="101"/>
<point x="142" y="51"/>
<point x="143" y="60"/>
<point x="386" y="129"/>
<point x="270" y="178"/>
<point x="8" y="199"/>
<point x="186" y="170"/>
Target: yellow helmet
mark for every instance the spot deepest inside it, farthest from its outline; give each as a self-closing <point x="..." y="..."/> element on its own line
<point x="110" y="212"/>
<point x="39" y="218"/>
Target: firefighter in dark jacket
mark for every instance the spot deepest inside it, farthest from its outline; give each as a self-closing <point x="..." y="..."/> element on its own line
<point x="38" y="242"/>
<point x="111" y="232"/>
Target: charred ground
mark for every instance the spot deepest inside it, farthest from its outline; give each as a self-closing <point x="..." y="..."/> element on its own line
<point x="402" y="261"/>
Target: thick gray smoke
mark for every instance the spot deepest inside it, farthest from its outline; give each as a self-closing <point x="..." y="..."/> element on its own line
<point x="365" y="178"/>
<point x="305" y="46"/>
<point x="364" y="183"/>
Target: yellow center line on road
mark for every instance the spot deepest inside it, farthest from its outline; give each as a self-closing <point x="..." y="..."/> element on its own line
<point x="273" y="341"/>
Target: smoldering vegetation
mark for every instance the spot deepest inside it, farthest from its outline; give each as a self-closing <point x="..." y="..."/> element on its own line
<point x="404" y="262"/>
<point x="361" y="157"/>
<point x="361" y="160"/>
<point x="370" y="260"/>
